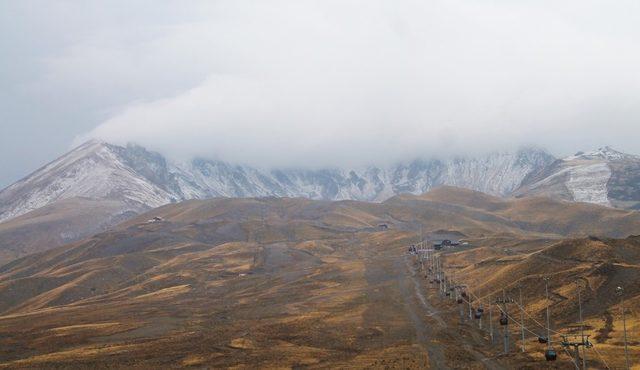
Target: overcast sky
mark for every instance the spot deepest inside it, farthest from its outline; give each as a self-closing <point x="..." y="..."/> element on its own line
<point x="326" y="83"/>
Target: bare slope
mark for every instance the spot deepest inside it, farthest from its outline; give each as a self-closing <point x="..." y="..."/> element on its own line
<point x="59" y="223"/>
<point x="446" y="208"/>
<point x="285" y="282"/>
<point x="471" y="209"/>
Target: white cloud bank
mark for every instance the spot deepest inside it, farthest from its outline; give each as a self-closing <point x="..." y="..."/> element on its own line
<point x="299" y="83"/>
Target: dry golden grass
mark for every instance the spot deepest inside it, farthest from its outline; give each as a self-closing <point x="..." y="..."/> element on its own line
<point x="283" y="283"/>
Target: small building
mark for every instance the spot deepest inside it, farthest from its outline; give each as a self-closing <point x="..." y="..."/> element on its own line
<point x="383" y="227"/>
<point x="445" y="243"/>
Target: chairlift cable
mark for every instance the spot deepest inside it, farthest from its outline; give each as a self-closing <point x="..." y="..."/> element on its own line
<point x="555" y="332"/>
<point x="571" y="357"/>
<point x="600" y="357"/>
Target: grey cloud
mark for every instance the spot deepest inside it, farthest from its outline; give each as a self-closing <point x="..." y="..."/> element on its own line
<point x="326" y="83"/>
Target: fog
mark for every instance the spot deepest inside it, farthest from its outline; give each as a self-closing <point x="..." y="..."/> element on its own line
<point x="331" y="83"/>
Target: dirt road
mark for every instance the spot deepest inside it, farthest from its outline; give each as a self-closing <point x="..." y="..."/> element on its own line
<point x="396" y="287"/>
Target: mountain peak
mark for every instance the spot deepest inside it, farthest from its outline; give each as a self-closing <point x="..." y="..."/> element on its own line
<point x="606" y="153"/>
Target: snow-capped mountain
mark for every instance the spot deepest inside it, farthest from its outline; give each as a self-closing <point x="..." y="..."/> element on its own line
<point x="93" y="170"/>
<point x="141" y="179"/>
<point x="604" y="176"/>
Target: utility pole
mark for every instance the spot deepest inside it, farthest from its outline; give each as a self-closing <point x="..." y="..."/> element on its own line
<point x="576" y="344"/>
<point x="504" y="300"/>
<point x="546" y="289"/>
<point x="620" y="292"/>
<point x="443" y="279"/>
<point x="469" y="302"/>
<point x="521" y="316"/>
<point x="454" y="296"/>
<point x="431" y="260"/>
<point x="440" y="275"/>
<point x="584" y="354"/>
<point x="459" y="297"/>
<point x="491" y="322"/>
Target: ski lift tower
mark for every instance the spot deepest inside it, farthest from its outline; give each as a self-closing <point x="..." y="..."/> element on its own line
<point x="504" y="318"/>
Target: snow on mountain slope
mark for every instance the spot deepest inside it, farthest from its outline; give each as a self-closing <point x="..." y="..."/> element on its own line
<point x="93" y="170"/>
<point x="588" y="183"/>
<point x="143" y="179"/>
<point x="604" y="176"/>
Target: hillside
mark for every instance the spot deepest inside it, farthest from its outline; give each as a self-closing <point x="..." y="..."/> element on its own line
<point x="140" y="180"/>
<point x="131" y="180"/>
<point x="283" y="281"/>
<point x="59" y="223"/>
<point x="449" y="206"/>
<point x="604" y="176"/>
<point x="472" y="213"/>
<point x="598" y="265"/>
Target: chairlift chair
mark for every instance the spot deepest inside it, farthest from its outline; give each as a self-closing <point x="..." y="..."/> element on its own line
<point x="550" y="354"/>
<point x="504" y="320"/>
<point x="542" y="339"/>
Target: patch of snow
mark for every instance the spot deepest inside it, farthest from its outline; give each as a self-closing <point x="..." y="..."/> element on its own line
<point x="606" y="153"/>
<point x="588" y="183"/>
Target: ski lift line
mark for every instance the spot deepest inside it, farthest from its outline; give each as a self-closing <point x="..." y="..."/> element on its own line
<point x="525" y="328"/>
<point x="537" y="322"/>
<point x="521" y="324"/>
<point x="526" y="313"/>
<point x="477" y="298"/>
<point x="535" y="334"/>
<point x="517" y="322"/>
<point x="557" y="333"/>
<point x="560" y="334"/>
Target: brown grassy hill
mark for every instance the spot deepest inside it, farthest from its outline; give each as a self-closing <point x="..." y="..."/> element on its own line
<point x="58" y="223"/>
<point x="294" y="282"/>
<point x="217" y="283"/>
<point x="535" y="215"/>
<point x="446" y="208"/>
<point x="598" y="265"/>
